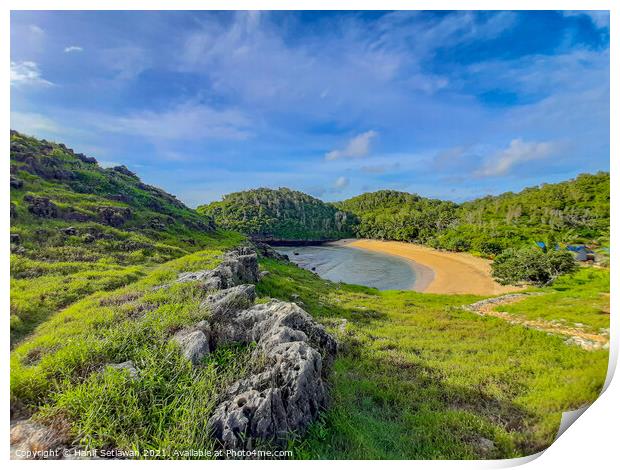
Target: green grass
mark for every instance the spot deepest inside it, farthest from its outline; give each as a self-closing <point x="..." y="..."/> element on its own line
<point x="581" y="299"/>
<point x="59" y="373"/>
<point x="420" y="378"/>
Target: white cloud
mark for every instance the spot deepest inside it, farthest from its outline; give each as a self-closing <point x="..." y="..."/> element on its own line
<point x="600" y="18"/>
<point x="187" y="121"/>
<point x="33" y="123"/>
<point x="74" y="49"/>
<point x="358" y="146"/>
<point x="341" y="183"/>
<point x="517" y="152"/>
<point x="34" y="29"/>
<point x="127" y="62"/>
<point x="27" y="73"/>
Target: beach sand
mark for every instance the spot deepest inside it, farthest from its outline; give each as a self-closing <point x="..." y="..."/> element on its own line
<point x="440" y="272"/>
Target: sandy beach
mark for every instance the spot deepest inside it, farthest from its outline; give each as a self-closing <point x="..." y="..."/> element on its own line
<point x="440" y="272"/>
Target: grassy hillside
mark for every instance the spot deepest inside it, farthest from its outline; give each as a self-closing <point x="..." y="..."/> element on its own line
<point x="77" y="228"/>
<point x="279" y="215"/>
<point x="419" y="377"/>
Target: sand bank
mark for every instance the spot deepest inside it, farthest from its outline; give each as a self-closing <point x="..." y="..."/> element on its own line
<point x="440" y="272"/>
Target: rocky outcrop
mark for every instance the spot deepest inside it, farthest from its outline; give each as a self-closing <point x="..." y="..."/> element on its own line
<point x="41" y="206"/>
<point x="239" y="266"/>
<point x="224" y="303"/>
<point x="290" y="360"/>
<point x="289" y="391"/>
<point x="114" y="216"/>
<point x="268" y="252"/>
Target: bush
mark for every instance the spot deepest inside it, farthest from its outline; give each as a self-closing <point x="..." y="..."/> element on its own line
<point x="532" y="265"/>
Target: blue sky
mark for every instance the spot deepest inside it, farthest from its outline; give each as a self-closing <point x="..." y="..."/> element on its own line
<point x="453" y="105"/>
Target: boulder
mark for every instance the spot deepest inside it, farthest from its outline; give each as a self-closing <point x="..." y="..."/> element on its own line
<point x="124" y="171"/>
<point x="16" y="238"/>
<point x="41" y="206"/>
<point x="194" y="342"/>
<point x="85" y="159"/>
<point x="267" y="251"/>
<point x="114" y="216"/>
<point x="129" y="366"/>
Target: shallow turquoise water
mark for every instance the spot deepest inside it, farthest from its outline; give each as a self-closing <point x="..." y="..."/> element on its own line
<point x="353" y="266"/>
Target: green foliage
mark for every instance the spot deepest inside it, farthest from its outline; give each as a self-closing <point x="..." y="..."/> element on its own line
<point x="394" y="215"/>
<point x="532" y="265"/>
<point x="282" y="214"/>
<point x="575" y="211"/>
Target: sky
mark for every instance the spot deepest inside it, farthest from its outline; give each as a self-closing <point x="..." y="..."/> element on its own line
<point x="450" y="105"/>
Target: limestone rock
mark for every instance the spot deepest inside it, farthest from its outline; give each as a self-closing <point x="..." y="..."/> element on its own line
<point x="239" y="266"/>
<point x="194" y="343"/>
<point x="230" y="300"/>
<point x="41" y="206"/>
<point x="129" y="366"/>
<point x="290" y="390"/>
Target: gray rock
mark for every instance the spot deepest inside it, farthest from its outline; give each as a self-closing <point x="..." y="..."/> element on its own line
<point x="239" y="266"/>
<point x="227" y="301"/>
<point x="290" y="390"/>
<point x="16" y="238"/>
<point x="485" y="445"/>
<point x="194" y="343"/>
<point x="129" y="366"/>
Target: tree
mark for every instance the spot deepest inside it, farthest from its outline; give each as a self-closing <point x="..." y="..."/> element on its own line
<point x="532" y="265"/>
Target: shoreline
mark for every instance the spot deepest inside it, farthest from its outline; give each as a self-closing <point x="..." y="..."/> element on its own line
<point x="424" y="275"/>
<point x="438" y="272"/>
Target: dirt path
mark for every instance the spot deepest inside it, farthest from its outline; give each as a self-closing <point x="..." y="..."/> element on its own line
<point x="450" y="273"/>
<point x="576" y="336"/>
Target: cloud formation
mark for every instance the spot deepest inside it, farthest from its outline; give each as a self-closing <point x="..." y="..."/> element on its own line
<point x="358" y="146"/>
<point x="517" y="152"/>
<point x="27" y="73"/>
<point x="74" y="49"/>
<point x="189" y="121"/>
<point x="341" y="183"/>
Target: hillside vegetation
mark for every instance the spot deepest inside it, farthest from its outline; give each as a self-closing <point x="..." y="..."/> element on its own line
<point x="279" y="215"/>
<point x="575" y="211"/>
<point x="77" y="228"/>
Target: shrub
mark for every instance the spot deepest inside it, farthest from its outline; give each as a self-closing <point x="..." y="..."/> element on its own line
<point x="532" y="265"/>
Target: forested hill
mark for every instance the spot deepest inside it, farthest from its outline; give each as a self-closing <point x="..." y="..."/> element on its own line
<point x="77" y="228"/>
<point x="280" y="215"/>
<point x="574" y="211"/>
<point x="396" y="215"/>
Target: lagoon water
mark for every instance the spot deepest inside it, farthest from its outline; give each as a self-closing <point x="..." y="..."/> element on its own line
<point x="354" y="266"/>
